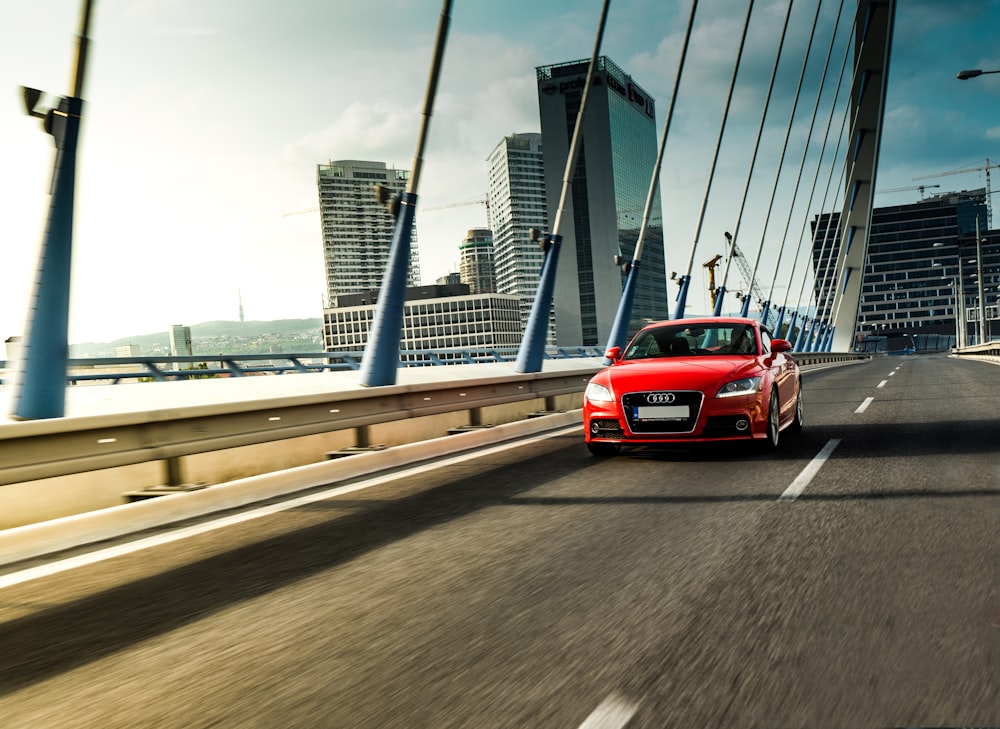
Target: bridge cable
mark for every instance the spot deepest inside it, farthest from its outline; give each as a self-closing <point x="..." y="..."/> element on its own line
<point x="781" y="158"/>
<point x="831" y="300"/>
<point x="826" y="194"/>
<point x="819" y="166"/>
<point x="686" y="279"/>
<point x="620" y="326"/>
<point x="802" y="163"/>
<point x="721" y="291"/>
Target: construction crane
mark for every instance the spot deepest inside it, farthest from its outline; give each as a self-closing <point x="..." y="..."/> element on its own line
<point x="904" y="189"/>
<point x="746" y="272"/>
<point x="711" y="266"/>
<point x="986" y="168"/>
<point x="481" y="200"/>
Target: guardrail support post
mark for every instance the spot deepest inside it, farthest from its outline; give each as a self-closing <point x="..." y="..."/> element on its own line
<point x="172" y="471"/>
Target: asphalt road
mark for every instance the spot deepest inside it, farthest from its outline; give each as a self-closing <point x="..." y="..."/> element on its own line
<point x="540" y="587"/>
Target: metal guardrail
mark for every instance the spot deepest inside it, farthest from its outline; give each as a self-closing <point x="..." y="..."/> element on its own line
<point x="39" y="449"/>
<point x="187" y="367"/>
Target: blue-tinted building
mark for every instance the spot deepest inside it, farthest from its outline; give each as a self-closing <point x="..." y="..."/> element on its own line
<point x="923" y="259"/>
<point x="604" y="212"/>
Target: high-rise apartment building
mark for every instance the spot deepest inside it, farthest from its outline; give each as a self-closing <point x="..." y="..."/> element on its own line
<point x="180" y="340"/>
<point x="357" y="228"/>
<point x="517" y="204"/>
<point x="476" y="261"/>
<point x="923" y="259"/>
<point x="609" y="189"/>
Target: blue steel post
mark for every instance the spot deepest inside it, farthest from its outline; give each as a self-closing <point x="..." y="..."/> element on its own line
<point x="619" y="327"/>
<point x="781" y="320"/>
<point x="720" y="294"/>
<point x="791" y="325"/>
<point x="765" y="312"/>
<point x="532" y="351"/>
<point x="800" y="340"/>
<point x="381" y="357"/>
<point x="745" y="309"/>
<point x="40" y="379"/>
<point x="828" y="341"/>
<point x="685" y="281"/>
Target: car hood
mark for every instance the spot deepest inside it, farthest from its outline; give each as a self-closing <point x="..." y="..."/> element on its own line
<point x="679" y="373"/>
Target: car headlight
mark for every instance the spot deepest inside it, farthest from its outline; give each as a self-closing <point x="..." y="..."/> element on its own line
<point x="745" y="386"/>
<point x="598" y="393"/>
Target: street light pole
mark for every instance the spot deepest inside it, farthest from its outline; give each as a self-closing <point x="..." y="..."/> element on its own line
<point x="960" y="309"/>
<point x="972" y="73"/>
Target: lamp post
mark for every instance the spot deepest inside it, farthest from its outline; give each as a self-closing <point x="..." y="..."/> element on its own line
<point x="972" y="73"/>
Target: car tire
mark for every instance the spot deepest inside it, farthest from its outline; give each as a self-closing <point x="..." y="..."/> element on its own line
<point x="798" y="422"/>
<point x="604" y="450"/>
<point x="773" y="432"/>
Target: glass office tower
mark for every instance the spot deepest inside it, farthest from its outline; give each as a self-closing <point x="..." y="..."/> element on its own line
<point x="604" y="212"/>
<point x="923" y="259"/>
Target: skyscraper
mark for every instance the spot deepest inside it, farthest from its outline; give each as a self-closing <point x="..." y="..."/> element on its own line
<point x="180" y="340"/>
<point x="921" y="272"/>
<point x="517" y="204"/>
<point x="357" y="229"/>
<point x="476" y="261"/>
<point x="609" y="189"/>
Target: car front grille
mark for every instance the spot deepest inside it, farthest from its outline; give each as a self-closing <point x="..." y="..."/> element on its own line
<point x="634" y="403"/>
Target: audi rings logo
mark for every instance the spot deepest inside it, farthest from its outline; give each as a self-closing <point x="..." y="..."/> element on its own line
<point x="660" y="398"/>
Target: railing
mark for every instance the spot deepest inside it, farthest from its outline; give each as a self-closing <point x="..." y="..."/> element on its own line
<point x="40" y="449"/>
<point x="188" y="367"/>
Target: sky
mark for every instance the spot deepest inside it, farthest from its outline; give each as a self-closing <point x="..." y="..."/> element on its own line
<point x="204" y="122"/>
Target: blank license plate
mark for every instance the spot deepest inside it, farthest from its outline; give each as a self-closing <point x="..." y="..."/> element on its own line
<point x="661" y="412"/>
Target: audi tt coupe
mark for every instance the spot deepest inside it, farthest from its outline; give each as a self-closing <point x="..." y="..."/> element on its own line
<point x="694" y="381"/>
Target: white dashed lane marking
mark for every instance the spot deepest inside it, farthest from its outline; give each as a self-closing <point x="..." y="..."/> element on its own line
<point x="809" y="472"/>
<point x="613" y="713"/>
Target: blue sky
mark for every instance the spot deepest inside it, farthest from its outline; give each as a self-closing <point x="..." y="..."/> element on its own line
<point x="205" y="120"/>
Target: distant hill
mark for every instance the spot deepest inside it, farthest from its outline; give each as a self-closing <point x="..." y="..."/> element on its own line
<point x="218" y="337"/>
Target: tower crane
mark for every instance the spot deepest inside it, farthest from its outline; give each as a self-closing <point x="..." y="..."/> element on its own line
<point x="481" y="200"/>
<point x="986" y="168"/>
<point x="747" y="273"/>
<point x="904" y="189"/>
<point x="711" y="266"/>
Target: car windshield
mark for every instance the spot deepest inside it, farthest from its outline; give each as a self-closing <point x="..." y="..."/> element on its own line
<point x="680" y="340"/>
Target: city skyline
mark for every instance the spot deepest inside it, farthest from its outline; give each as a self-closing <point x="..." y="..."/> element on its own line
<point x="204" y="123"/>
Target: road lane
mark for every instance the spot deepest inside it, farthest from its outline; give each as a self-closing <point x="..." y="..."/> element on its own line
<point x="527" y="587"/>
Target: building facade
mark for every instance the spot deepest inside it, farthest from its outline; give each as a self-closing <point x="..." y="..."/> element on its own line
<point x="609" y="190"/>
<point x="435" y="318"/>
<point x="180" y="340"/>
<point x="923" y="258"/>
<point x="476" y="267"/>
<point x="357" y="228"/>
<point x="518" y="204"/>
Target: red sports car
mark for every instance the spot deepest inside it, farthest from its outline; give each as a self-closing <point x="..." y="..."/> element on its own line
<point x="694" y="381"/>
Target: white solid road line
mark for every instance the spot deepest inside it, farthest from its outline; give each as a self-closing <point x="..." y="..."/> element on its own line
<point x="809" y="472"/>
<point x="613" y="713"/>
<point x="864" y="406"/>
<point x="63" y="565"/>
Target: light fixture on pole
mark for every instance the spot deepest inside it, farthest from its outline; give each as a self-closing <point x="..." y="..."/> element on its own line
<point x="972" y="73"/>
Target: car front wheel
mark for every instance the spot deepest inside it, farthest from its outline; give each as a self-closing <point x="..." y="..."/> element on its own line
<point x="773" y="432"/>
<point x="797" y="424"/>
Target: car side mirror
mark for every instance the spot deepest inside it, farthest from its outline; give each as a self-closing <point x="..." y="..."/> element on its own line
<point x="780" y="345"/>
<point x="614" y="354"/>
